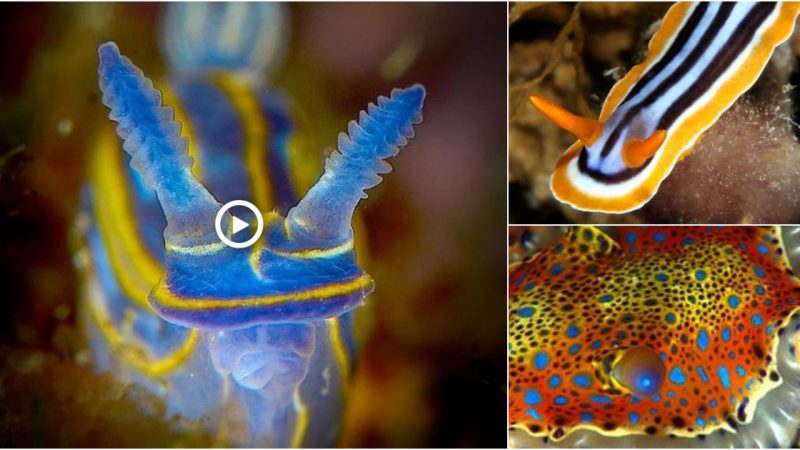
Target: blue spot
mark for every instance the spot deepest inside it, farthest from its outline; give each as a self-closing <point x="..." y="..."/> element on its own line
<point x="532" y="397"/>
<point x="759" y="290"/>
<point x="525" y="312"/>
<point x="540" y="360"/>
<point x="561" y="400"/>
<point x="732" y="355"/>
<point x="530" y="286"/>
<point x="633" y="418"/>
<point x="662" y="277"/>
<point x="687" y="241"/>
<point x="766" y="237"/>
<point x="677" y="376"/>
<point x="684" y="402"/>
<point x="671" y="393"/>
<point x="599" y="398"/>
<point x="634" y="399"/>
<point x="533" y="413"/>
<point x="631" y="242"/>
<point x="659" y="237"/>
<point x="713" y="420"/>
<point x="574" y="348"/>
<point x="759" y="272"/>
<point x="763" y="249"/>
<point x="770" y="329"/>
<point x="713" y="403"/>
<point x="703" y="375"/>
<point x="724" y="377"/>
<point x="663" y="356"/>
<point x="606" y="299"/>
<point x="670" y="318"/>
<point x="557" y="269"/>
<point x="581" y="380"/>
<point x="656" y="398"/>
<point x="726" y="334"/>
<point x="700" y="422"/>
<point x="592" y="269"/>
<point x="555" y="381"/>
<point x="700" y="275"/>
<point x="621" y="335"/>
<point x="740" y="371"/>
<point x="586" y="417"/>
<point x="573" y="330"/>
<point x="644" y="383"/>
<point x="596" y="344"/>
<point x="749" y="384"/>
<point x="757" y="320"/>
<point x="702" y="339"/>
<point x="734" y="301"/>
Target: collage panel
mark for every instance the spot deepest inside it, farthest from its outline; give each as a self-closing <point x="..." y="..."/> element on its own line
<point x="640" y="112"/>
<point x="253" y="224"/>
<point x="654" y="336"/>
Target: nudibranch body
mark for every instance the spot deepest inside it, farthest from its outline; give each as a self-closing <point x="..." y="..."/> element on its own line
<point x="254" y="345"/>
<point x="702" y="58"/>
<point x="667" y="332"/>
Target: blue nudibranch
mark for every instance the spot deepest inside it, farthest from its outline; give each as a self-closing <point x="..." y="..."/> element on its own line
<point x="256" y="342"/>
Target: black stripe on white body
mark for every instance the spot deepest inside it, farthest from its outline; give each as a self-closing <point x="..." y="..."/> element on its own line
<point x="713" y="41"/>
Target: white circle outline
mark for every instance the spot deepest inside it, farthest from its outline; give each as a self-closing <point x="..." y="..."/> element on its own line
<point x="218" y="224"/>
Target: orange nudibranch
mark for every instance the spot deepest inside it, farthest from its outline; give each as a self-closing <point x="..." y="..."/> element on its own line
<point x="704" y="56"/>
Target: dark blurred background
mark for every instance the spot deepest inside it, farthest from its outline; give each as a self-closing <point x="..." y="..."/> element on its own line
<point x="432" y="367"/>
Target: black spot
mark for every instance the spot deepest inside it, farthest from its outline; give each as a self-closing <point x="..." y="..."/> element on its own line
<point x="740" y="413"/>
<point x="702" y="437"/>
<point x="609" y="426"/>
<point x="651" y="430"/>
<point x="678" y="422"/>
<point x="773" y="376"/>
<point x="560" y="421"/>
<point x="535" y="428"/>
<point x="732" y="423"/>
<point x="558" y="434"/>
<point x="759" y="352"/>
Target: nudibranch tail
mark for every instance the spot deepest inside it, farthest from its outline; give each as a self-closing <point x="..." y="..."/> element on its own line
<point x="246" y="38"/>
<point x="152" y="139"/>
<point x="583" y="128"/>
<point x="701" y="60"/>
<point x="326" y="210"/>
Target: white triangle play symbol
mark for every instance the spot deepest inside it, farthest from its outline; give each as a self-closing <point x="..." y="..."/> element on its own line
<point x="238" y="224"/>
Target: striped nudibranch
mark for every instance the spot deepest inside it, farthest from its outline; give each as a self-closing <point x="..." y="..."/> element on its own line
<point x="702" y="58"/>
<point x="252" y="346"/>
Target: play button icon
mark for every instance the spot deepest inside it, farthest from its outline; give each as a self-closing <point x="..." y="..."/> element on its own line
<point x="237" y="225"/>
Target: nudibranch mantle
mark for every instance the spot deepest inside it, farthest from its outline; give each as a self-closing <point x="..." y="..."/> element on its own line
<point x="305" y="268"/>
<point x="702" y="58"/>
<point x="710" y="302"/>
